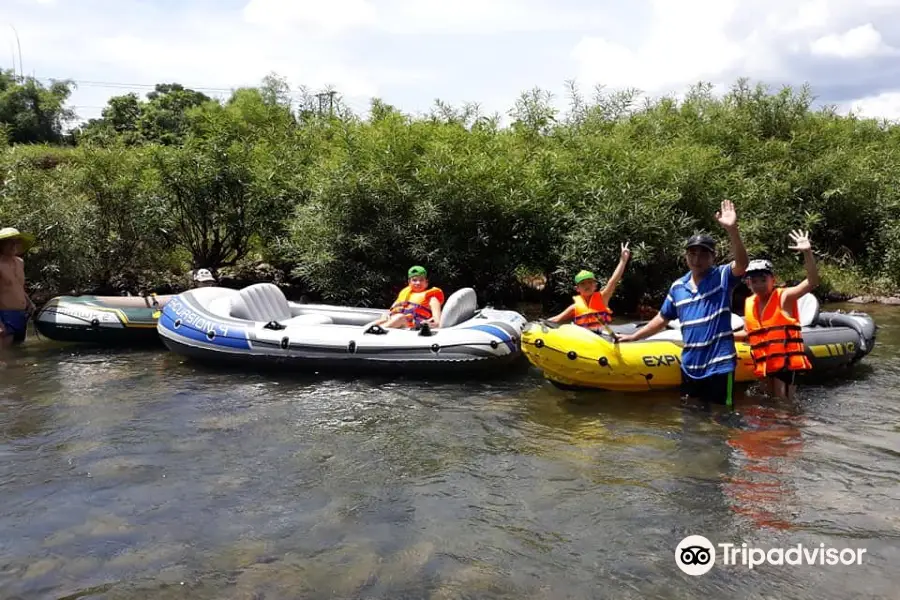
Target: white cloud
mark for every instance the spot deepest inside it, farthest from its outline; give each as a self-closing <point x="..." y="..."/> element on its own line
<point x="885" y="105"/>
<point x="686" y="41"/>
<point x="199" y="46"/>
<point x="327" y="17"/>
<point x="424" y="16"/>
<point x="808" y="16"/>
<point x="217" y="62"/>
<point x="858" y="42"/>
<point x="704" y="40"/>
<point x="412" y="51"/>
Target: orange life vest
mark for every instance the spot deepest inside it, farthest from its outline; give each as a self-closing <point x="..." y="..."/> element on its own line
<point x="416" y="305"/>
<point x="774" y="337"/>
<point x="592" y="314"/>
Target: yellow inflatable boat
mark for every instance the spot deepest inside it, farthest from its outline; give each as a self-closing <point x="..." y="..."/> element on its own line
<point x="574" y="357"/>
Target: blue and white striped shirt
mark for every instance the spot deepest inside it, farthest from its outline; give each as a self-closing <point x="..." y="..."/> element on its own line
<point x="705" y="316"/>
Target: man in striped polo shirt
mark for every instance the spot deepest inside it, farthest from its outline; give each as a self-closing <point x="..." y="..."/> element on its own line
<point x="701" y="301"/>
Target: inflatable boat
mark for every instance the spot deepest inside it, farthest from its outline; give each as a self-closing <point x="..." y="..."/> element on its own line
<point x="574" y="357"/>
<point x="108" y="320"/>
<point x="257" y="325"/>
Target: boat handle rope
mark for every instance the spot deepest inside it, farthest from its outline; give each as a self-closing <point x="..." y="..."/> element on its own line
<point x="150" y="299"/>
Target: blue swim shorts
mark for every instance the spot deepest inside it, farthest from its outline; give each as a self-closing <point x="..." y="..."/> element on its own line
<point x="15" y="323"/>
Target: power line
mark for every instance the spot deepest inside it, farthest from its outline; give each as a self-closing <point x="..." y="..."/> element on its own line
<point x="123" y="85"/>
<point x="323" y="98"/>
<point x="151" y="86"/>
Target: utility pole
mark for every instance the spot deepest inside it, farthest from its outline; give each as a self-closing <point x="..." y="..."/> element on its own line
<point x="19" y="44"/>
<point x="321" y="98"/>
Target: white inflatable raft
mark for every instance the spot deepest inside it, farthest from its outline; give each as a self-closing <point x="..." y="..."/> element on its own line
<point x="258" y="325"/>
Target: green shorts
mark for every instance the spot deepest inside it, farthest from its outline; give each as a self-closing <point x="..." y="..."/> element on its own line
<point x="715" y="389"/>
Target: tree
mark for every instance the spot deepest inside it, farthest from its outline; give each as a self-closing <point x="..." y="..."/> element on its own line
<point x="216" y="205"/>
<point x="120" y="121"/>
<point x="162" y="118"/>
<point x="31" y="113"/>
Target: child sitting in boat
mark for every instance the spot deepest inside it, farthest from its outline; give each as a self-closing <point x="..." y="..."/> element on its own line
<point x="771" y="321"/>
<point x="416" y="306"/>
<point x="15" y="305"/>
<point x="590" y="308"/>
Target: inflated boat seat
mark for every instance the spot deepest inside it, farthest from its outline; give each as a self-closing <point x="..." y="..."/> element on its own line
<point x="671" y="335"/>
<point x="310" y="319"/>
<point x="737" y="322"/>
<point x="459" y="307"/>
<point x="808" y="307"/>
<point x="221" y="307"/>
<point x="261" y="302"/>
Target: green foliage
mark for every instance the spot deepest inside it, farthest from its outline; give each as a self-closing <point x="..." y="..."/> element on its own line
<point x="347" y="204"/>
<point x="214" y="204"/>
<point x="161" y="119"/>
<point x="31" y="112"/>
<point x="125" y="210"/>
<point x="399" y="192"/>
<point x="92" y="211"/>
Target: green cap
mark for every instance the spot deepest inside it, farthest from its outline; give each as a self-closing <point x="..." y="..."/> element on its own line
<point x="582" y="275"/>
<point x="417" y="270"/>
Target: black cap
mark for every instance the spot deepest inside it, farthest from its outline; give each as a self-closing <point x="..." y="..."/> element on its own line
<point x="703" y="240"/>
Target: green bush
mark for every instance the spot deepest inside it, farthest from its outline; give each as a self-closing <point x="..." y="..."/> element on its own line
<point x="94" y="213"/>
<point x="346" y="204"/>
<point x="399" y="193"/>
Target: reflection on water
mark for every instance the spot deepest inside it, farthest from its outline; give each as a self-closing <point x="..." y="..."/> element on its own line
<point x="137" y="475"/>
<point x="769" y="447"/>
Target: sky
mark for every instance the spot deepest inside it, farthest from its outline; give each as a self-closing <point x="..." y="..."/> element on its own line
<point x="410" y="53"/>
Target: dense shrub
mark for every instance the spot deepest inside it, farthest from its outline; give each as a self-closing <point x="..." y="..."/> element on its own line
<point x="346" y="204"/>
<point x="94" y="213"/>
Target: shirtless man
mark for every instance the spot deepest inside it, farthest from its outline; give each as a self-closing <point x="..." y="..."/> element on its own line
<point x="15" y="305"/>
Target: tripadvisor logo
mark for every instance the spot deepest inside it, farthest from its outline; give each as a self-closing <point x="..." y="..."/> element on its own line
<point x="696" y="555"/>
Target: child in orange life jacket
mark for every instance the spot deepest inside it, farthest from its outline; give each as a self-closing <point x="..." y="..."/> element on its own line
<point x="771" y="321"/>
<point x="416" y="304"/>
<point x="590" y="308"/>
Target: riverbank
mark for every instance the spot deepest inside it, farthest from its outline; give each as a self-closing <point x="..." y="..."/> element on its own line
<point x="532" y="290"/>
<point x="887" y="300"/>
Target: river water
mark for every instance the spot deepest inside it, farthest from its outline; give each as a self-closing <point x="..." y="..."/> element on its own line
<point x="133" y="474"/>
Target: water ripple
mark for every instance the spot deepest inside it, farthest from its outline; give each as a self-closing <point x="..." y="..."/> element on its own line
<point x="139" y="475"/>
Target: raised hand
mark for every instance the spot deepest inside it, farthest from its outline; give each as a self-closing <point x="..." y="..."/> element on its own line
<point x="726" y="216"/>
<point x="801" y="241"/>
<point x="626" y="253"/>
